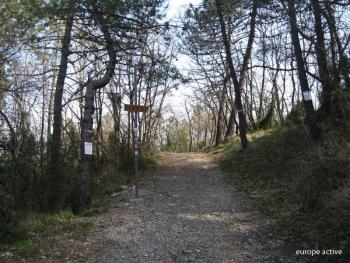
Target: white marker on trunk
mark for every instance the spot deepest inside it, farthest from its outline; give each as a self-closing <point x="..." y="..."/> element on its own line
<point x="88" y="148"/>
<point x="307" y="95"/>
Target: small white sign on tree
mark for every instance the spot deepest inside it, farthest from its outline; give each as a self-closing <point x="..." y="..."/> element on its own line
<point x="307" y="95"/>
<point x="88" y="148"/>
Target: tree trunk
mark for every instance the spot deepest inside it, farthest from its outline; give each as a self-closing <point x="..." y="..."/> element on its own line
<point x="344" y="66"/>
<point x="86" y="160"/>
<point x="219" y="123"/>
<point x="231" y="125"/>
<point x="190" y="128"/>
<point x="304" y="85"/>
<point x="237" y="83"/>
<point x="328" y="85"/>
<point x="54" y="167"/>
<point x="87" y="122"/>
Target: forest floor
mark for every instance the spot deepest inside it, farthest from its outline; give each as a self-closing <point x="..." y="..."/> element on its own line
<point x="186" y="212"/>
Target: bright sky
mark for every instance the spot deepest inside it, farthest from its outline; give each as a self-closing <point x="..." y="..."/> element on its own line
<point x="175" y="9"/>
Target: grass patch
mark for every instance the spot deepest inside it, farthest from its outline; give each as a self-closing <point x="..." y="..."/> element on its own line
<point x="233" y="144"/>
<point x="45" y="224"/>
<point x="32" y="228"/>
<point x="40" y="223"/>
<point x="270" y="156"/>
<point x="304" y="185"/>
<point x="26" y="247"/>
<point x="148" y="162"/>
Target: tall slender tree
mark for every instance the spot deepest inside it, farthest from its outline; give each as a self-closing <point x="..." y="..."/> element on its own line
<point x="238" y="80"/>
<point x="55" y="165"/>
<point x="304" y="84"/>
<point x="87" y="121"/>
<point x="327" y="82"/>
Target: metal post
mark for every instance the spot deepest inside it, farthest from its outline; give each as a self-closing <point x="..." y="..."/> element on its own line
<point x="135" y="136"/>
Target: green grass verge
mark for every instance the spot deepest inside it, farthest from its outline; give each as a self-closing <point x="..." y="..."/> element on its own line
<point x="304" y="185"/>
<point x="149" y="162"/>
<point x="31" y="229"/>
<point x="26" y="247"/>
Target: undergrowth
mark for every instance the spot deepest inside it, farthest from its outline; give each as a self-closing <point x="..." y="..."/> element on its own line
<point x="110" y="179"/>
<point x="33" y="228"/>
<point x="303" y="184"/>
<point x="28" y="232"/>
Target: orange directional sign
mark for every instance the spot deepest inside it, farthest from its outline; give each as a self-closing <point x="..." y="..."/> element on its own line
<point x="135" y="108"/>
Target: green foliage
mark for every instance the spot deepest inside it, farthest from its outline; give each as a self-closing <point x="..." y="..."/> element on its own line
<point x="17" y="171"/>
<point x="267" y="156"/>
<point x="39" y="223"/>
<point x="116" y="170"/>
<point x="177" y="141"/>
<point x="148" y="161"/>
<point x="7" y="223"/>
<point x="32" y="228"/>
<point x="26" y="247"/>
<point x="304" y="185"/>
<point x="17" y="20"/>
<point x="232" y="144"/>
<point x="71" y="167"/>
<point x="268" y="121"/>
<point x="6" y="174"/>
<point x="123" y="155"/>
<point x="297" y="115"/>
<point x="114" y="173"/>
<point x="23" y="178"/>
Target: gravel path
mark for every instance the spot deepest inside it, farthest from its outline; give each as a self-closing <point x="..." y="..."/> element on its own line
<point x="187" y="213"/>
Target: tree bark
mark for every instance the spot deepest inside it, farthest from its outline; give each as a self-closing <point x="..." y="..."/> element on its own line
<point x="328" y="85"/>
<point x="304" y="85"/>
<point x="221" y="116"/>
<point x="237" y="83"/>
<point x="230" y="126"/>
<point x="190" y="128"/>
<point x="86" y="160"/>
<point x="87" y="122"/>
<point x="344" y="65"/>
<point x="54" y="167"/>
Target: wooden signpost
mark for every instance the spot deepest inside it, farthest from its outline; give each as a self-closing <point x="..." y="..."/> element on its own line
<point x="135" y="109"/>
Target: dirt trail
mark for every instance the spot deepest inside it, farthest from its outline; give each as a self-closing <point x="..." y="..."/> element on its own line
<point x="187" y="214"/>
